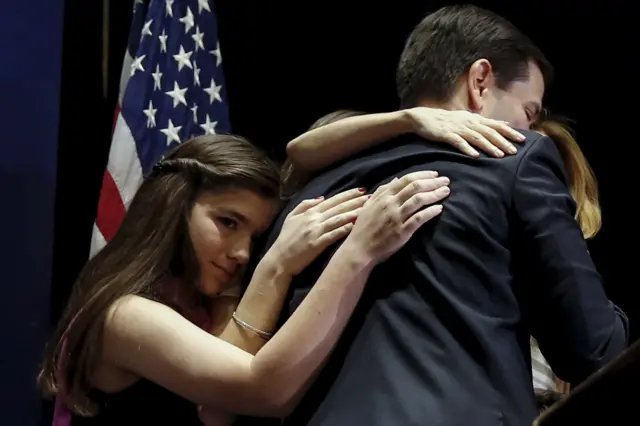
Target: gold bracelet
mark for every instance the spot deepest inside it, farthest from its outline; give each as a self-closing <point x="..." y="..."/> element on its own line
<point x="251" y="328"/>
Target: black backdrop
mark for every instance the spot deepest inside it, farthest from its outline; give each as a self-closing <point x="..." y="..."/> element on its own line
<point x="286" y="65"/>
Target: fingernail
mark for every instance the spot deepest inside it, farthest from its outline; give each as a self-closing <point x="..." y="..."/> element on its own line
<point x="498" y="154"/>
<point x="445" y="190"/>
<point x="512" y="149"/>
<point x="521" y="137"/>
<point x="319" y="198"/>
<point x="362" y="189"/>
<point x="444" y="180"/>
<point x="433" y="174"/>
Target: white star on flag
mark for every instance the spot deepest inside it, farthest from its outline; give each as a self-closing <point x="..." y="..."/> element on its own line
<point x="218" y="54"/>
<point x="214" y="92"/>
<point x="194" y="110"/>
<point x="209" y="126"/>
<point x="171" y="132"/>
<point x="163" y="41"/>
<point x="157" y="75"/>
<point x="146" y="30"/>
<point x="196" y="75"/>
<point x="136" y="65"/>
<point x="187" y="20"/>
<point x="177" y="94"/>
<point x="203" y="5"/>
<point x="169" y="7"/>
<point x="151" y="115"/>
<point x="183" y="59"/>
<point x="197" y="38"/>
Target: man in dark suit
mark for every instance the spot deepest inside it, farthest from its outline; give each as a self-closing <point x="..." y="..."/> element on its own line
<point x="441" y="335"/>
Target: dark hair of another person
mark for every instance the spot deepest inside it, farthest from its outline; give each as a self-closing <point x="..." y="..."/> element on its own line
<point x="293" y="179"/>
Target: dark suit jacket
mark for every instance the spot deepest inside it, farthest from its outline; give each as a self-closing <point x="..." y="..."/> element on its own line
<point x="441" y="335"/>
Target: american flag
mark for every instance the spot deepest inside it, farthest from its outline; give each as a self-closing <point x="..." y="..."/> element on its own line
<point x="171" y="88"/>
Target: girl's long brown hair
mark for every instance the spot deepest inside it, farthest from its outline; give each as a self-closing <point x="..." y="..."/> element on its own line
<point x="151" y="243"/>
<point x="582" y="181"/>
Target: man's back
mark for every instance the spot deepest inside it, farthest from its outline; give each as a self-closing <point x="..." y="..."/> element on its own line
<point x="441" y="335"/>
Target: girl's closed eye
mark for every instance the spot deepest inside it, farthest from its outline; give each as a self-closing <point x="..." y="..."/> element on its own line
<point x="228" y="223"/>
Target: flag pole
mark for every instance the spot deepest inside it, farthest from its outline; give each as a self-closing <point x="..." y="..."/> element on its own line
<point x="105" y="48"/>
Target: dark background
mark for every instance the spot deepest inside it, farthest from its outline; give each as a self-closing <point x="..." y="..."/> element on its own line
<point x="30" y="86"/>
<point x="287" y="65"/>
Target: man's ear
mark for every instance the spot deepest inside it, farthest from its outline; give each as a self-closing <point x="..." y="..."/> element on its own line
<point x="480" y="83"/>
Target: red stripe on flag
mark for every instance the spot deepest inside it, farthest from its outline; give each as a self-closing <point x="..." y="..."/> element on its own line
<point x="110" y="208"/>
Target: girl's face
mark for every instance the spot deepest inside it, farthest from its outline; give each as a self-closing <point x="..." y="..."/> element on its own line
<point x="222" y="227"/>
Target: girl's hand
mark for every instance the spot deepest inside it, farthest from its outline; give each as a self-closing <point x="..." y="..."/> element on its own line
<point x="313" y="226"/>
<point x="463" y="129"/>
<point x="395" y="212"/>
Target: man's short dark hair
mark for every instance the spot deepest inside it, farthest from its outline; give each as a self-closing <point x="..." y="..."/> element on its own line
<point x="447" y="42"/>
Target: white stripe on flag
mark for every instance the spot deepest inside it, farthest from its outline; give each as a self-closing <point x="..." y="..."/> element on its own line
<point x="97" y="241"/>
<point x="124" y="75"/>
<point x="124" y="164"/>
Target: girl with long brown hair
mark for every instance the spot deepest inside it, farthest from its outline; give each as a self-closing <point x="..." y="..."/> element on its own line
<point x="136" y="343"/>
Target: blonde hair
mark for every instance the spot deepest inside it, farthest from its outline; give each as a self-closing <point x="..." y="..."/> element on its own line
<point x="582" y="181"/>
